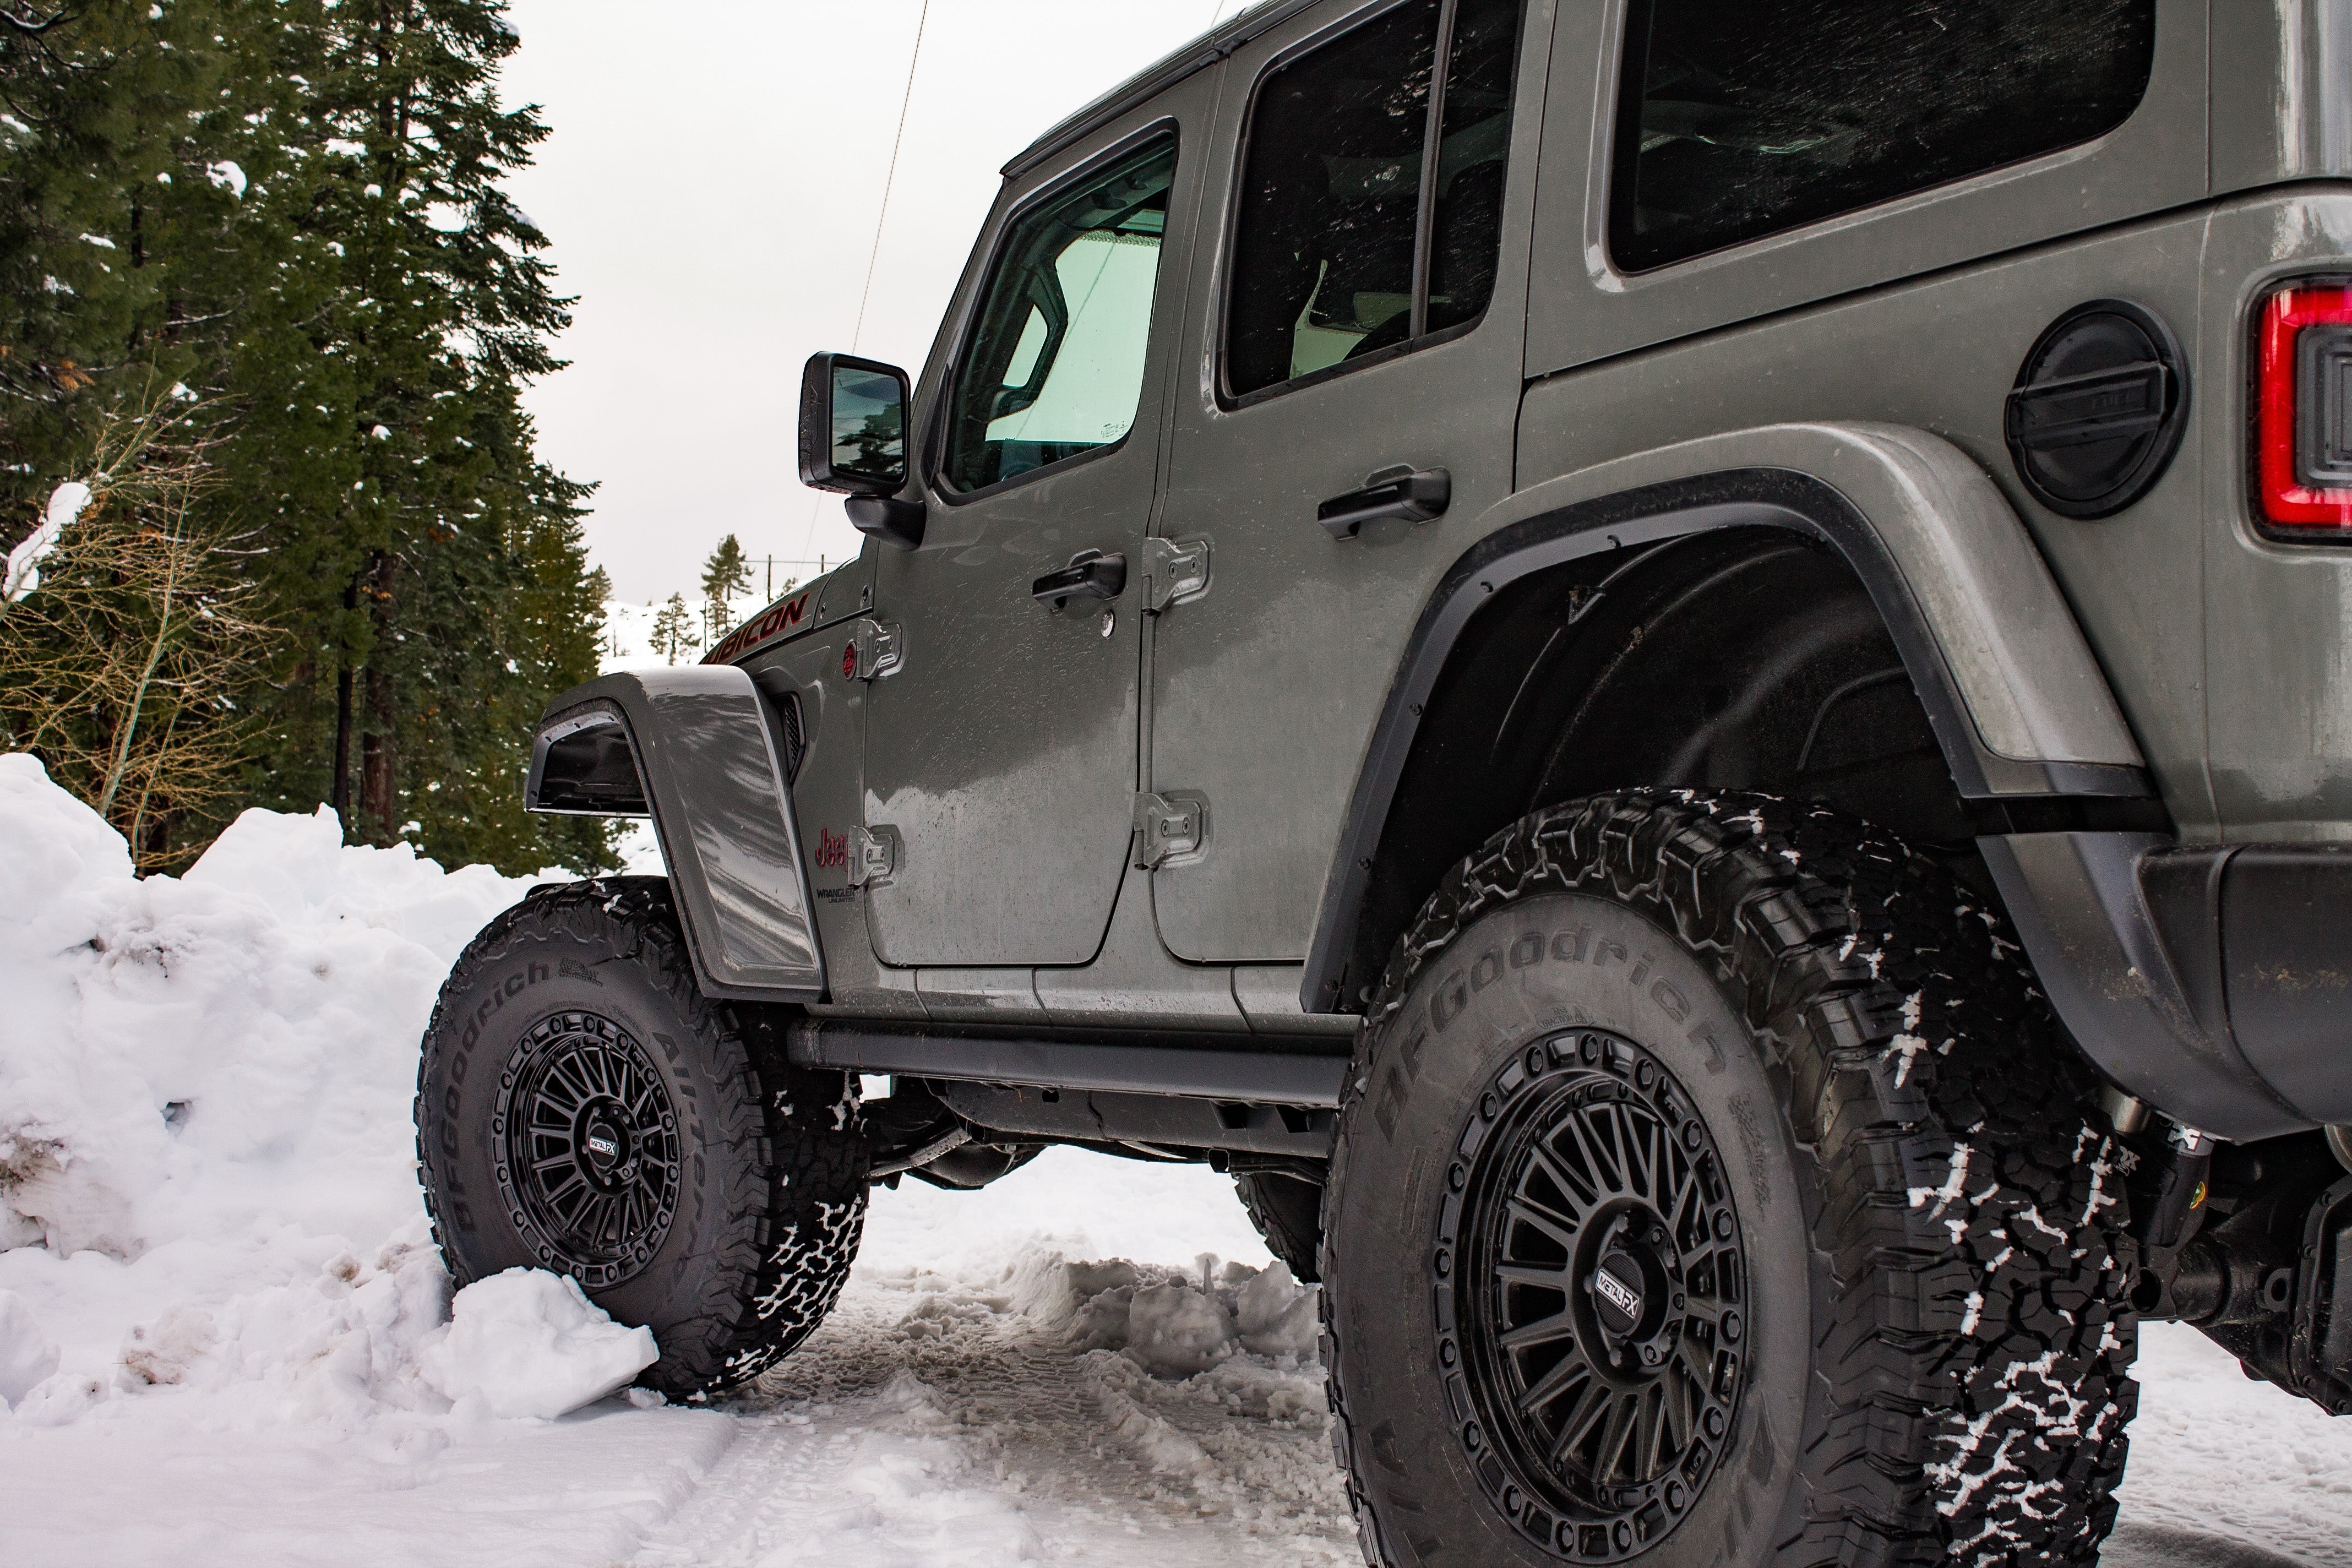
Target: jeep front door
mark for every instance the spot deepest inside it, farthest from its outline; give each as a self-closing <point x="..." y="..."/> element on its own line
<point x="1001" y="756"/>
<point x="1357" y="338"/>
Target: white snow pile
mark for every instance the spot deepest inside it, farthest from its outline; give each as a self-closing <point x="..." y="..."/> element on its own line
<point x="528" y="1342"/>
<point x="207" y="1188"/>
<point x="27" y="1357"/>
<point x="1172" y="1325"/>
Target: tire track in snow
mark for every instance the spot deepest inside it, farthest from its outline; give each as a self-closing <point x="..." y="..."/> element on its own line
<point x="1007" y="1441"/>
<point x="929" y="1422"/>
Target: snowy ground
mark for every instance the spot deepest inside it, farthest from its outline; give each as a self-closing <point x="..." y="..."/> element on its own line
<point x="209" y="1219"/>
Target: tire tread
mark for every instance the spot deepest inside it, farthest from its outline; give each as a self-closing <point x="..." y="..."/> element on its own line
<point x="1900" y="1014"/>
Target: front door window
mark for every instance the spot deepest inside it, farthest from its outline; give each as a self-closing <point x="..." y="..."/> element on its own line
<point x="1055" y="367"/>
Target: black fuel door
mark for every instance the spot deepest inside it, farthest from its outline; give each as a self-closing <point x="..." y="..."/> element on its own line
<point x="2099" y="408"/>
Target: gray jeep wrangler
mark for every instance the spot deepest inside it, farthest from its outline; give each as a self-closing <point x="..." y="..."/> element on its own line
<point x="1676" y="671"/>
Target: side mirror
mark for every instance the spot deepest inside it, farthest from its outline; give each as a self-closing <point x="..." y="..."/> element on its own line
<point x="854" y="442"/>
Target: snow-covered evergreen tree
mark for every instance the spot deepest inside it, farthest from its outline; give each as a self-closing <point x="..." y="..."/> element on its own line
<point x="291" y="211"/>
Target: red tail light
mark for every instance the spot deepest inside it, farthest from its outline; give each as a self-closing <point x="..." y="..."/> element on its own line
<point x="2303" y="441"/>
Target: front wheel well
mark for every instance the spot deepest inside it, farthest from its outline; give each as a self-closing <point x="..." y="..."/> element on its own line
<point x="1747" y="658"/>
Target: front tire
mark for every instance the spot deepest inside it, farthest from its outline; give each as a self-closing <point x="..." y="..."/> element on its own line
<point x="1713" y="1186"/>
<point x="582" y="1107"/>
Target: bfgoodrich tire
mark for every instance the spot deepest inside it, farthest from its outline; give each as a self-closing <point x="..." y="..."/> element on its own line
<point x="582" y="1108"/>
<point x="1712" y="1188"/>
<point x="1288" y="1214"/>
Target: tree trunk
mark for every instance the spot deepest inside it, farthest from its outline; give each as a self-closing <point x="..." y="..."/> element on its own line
<point x="342" y="797"/>
<point x="377" y="806"/>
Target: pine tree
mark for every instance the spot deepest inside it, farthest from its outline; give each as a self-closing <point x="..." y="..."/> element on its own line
<point x="726" y="576"/>
<point x="674" y="630"/>
<point x="728" y="573"/>
<point x="145" y="263"/>
<point x="289" y="211"/>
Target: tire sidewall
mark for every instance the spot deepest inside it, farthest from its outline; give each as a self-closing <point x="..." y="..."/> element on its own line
<point x="489" y="1007"/>
<point x="1515" y="976"/>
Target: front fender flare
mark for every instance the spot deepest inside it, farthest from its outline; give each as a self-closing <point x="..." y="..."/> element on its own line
<point x="696" y="749"/>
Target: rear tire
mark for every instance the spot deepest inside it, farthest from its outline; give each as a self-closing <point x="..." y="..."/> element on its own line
<point x="1792" y="1091"/>
<point x="582" y="1108"/>
<point x="1288" y="1213"/>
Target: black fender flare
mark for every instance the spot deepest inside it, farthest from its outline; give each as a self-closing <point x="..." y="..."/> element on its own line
<point x="2037" y="748"/>
<point x="695" y="748"/>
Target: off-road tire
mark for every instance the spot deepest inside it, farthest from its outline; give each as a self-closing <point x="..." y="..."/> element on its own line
<point x="1288" y="1214"/>
<point x="767" y="1162"/>
<point x="1939" y="1335"/>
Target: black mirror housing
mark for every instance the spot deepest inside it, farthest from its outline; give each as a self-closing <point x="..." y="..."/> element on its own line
<point x="853" y="426"/>
<point x="889" y="518"/>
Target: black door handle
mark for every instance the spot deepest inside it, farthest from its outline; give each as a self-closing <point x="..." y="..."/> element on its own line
<point x="1090" y="574"/>
<point x="1416" y="495"/>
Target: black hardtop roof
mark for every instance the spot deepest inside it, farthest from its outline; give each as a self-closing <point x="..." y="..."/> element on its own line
<point x="1210" y="46"/>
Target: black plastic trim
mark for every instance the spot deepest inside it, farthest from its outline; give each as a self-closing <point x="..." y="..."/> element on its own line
<point x="1159" y="1120"/>
<point x="2168" y="375"/>
<point x="2002" y="791"/>
<point x="1248" y="1077"/>
<point x="2131" y="981"/>
<point x="585" y="764"/>
<point x="709" y="748"/>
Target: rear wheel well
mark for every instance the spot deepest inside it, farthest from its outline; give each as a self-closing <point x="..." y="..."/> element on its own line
<point x="1746" y="659"/>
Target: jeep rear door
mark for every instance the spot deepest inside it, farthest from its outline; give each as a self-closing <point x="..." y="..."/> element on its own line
<point x="1001" y="755"/>
<point x="1357" y="311"/>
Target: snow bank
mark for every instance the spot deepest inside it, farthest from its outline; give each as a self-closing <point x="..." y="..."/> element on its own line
<point x="196" y="1058"/>
<point x="207" y="1176"/>
<point x="1172" y="1325"/>
<point x="27" y="1356"/>
<point x="528" y="1342"/>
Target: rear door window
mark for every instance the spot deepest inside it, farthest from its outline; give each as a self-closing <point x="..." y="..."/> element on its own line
<point x="1739" y="118"/>
<point x="1372" y="197"/>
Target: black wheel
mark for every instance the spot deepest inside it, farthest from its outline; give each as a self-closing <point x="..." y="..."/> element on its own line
<point x="1715" y="1187"/>
<point x="1288" y="1213"/>
<point x="582" y="1107"/>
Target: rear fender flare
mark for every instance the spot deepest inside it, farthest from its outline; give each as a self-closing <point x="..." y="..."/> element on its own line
<point x="2025" y="717"/>
<point x="700" y="747"/>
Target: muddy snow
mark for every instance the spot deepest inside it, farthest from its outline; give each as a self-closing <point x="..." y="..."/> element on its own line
<point x="225" y="1335"/>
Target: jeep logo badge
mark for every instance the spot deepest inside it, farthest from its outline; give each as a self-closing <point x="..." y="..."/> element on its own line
<point x="1617" y="1293"/>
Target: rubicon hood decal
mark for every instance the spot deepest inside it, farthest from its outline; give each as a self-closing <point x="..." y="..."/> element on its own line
<point x="779" y="619"/>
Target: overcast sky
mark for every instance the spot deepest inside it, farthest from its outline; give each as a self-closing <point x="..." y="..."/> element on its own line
<point x="711" y="187"/>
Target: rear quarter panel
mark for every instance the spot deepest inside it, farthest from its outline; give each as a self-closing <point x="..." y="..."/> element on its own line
<point x="1941" y="354"/>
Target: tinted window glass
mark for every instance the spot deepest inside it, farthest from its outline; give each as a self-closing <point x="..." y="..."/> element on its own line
<point x="1741" y="118"/>
<point x="1328" y="254"/>
<point x="1054" y="365"/>
<point x="1466" y="238"/>
<point x="1330" y="201"/>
